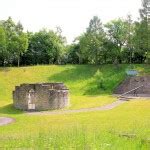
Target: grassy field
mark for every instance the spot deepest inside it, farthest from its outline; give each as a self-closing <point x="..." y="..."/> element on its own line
<point x="123" y="128"/>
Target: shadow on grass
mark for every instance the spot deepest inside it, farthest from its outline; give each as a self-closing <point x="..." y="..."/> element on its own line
<point x="84" y="75"/>
<point x="9" y="109"/>
<point x="74" y="74"/>
<point x="78" y="75"/>
<point x="5" y="69"/>
<point x="89" y="82"/>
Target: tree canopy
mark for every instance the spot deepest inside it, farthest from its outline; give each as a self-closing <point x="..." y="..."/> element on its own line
<point x="118" y="41"/>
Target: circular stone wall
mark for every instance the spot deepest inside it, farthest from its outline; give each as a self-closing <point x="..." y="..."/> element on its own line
<point x="40" y="96"/>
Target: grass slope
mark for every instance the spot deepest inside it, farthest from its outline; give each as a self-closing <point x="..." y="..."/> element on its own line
<point x="86" y="83"/>
<point x="90" y="86"/>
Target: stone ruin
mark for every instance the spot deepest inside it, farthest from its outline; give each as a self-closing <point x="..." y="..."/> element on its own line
<point x="40" y="96"/>
<point x="143" y="82"/>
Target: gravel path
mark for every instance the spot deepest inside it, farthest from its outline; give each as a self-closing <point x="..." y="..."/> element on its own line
<point x="106" y="107"/>
<point x="5" y="121"/>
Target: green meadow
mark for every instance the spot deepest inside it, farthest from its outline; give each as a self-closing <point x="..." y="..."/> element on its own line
<point x="126" y="127"/>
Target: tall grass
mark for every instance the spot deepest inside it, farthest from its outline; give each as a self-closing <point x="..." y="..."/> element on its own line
<point x="78" y="139"/>
<point x="90" y="86"/>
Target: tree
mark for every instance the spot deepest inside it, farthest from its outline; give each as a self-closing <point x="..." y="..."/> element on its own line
<point x="20" y="41"/>
<point x="145" y="24"/>
<point x="129" y="49"/>
<point x="130" y="38"/>
<point x="145" y="10"/>
<point x="16" y="41"/>
<point x="138" y="43"/>
<point x="44" y="47"/>
<point x="21" y="45"/>
<point x="108" y="52"/>
<point x="37" y="51"/>
<point x="74" y="56"/>
<point x="117" y="31"/>
<point x="91" y="42"/>
<point x="9" y="27"/>
<point x="3" y="50"/>
<point x="60" y="36"/>
<point x="56" y="47"/>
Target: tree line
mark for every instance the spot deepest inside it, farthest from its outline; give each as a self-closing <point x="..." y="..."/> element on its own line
<point x="118" y="41"/>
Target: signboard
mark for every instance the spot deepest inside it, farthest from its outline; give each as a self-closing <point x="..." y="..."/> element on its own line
<point x="132" y="72"/>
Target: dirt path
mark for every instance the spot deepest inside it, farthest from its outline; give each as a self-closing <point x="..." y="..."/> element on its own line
<point x="106" y="107"/>
<point x="5" y="121"/>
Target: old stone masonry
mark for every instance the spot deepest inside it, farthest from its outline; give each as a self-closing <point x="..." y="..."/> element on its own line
<point x="40" y="96"/>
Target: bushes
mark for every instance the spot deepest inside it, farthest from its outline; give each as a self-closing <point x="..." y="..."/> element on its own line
<point x="100" y="80"/>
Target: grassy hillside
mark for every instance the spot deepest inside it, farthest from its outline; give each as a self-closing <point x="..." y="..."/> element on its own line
<point x="90" y="86"/>
<point x="86" y="83"/>
<point x="81" y="80"/>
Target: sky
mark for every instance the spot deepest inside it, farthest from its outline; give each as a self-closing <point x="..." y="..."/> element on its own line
<point x="72" y="16"/>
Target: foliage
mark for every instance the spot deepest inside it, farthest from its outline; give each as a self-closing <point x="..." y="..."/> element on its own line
<point x="92" y="41"/>
<point x="20" y="42"/>
<point x="117" y="32"/>
<point x="15" y="42"/>
<point x="139" y="44"/>
<point x="145" y="26"/>
<point x="74" y="54"/>
<point x="44" y="47"/>
<point x="3" y="51"/>
<point x="99" y="77"/>
<point x="118" y="41"/>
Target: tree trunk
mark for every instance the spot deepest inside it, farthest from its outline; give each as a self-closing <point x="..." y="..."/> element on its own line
<point x="116" y="63"/>
<point x="80" y="59"/>
<point x="3" y="62"/>
<point x="105" y="59"/>
<point x="18" y="61"/>
<point x="49" y="62"/>
<point x="96" y="58"/>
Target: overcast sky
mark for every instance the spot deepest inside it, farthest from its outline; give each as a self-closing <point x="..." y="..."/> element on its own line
<point x="71" y="15"/>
